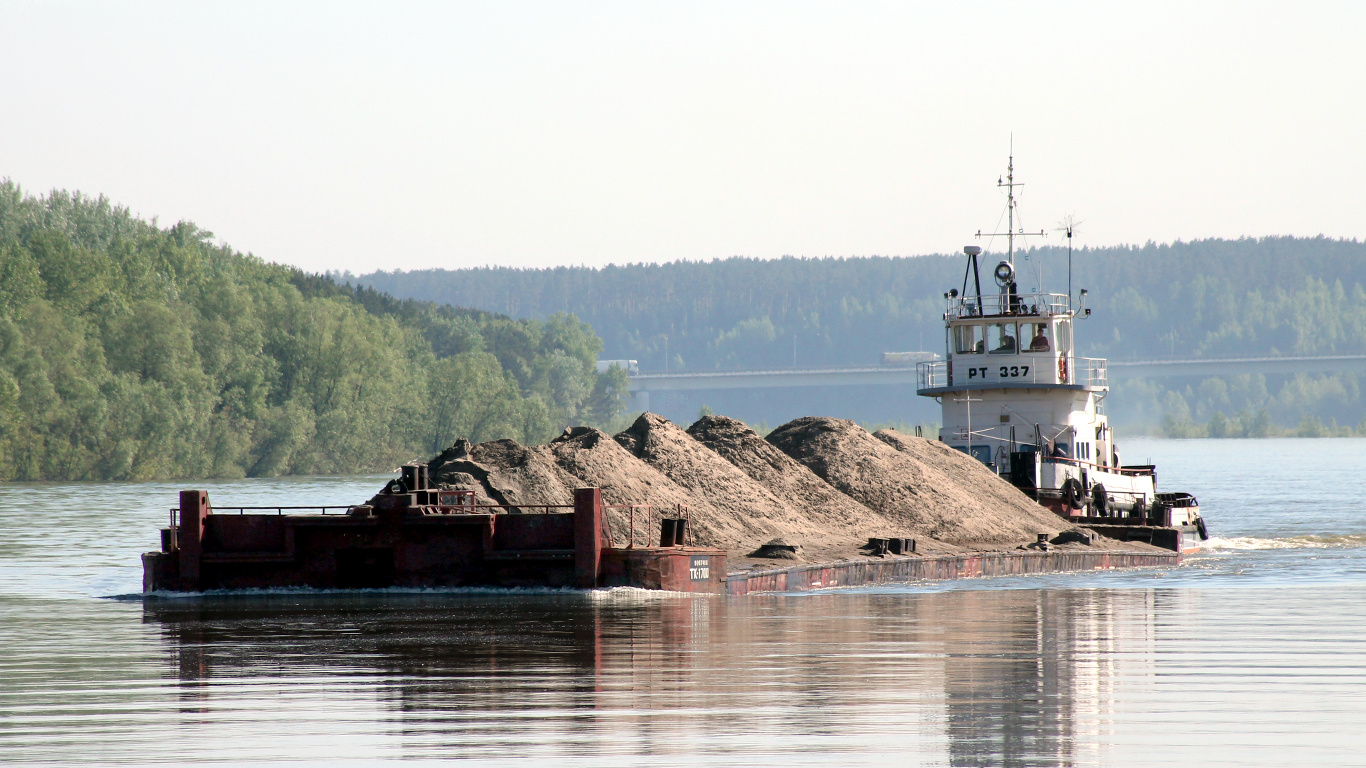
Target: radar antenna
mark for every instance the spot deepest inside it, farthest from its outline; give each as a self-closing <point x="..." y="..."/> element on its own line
<point x="1010" y="184"/>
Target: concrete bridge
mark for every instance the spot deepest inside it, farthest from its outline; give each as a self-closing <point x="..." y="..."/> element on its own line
<point x="641" y="385"/>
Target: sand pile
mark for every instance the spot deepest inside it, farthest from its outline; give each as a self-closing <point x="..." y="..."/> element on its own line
<point x="504" y="472"/>
<point x="822" y="507"/>
<point x="756" y="514"/>
<point x="593" y="457"/>
<point x="964" y="473"/>
<point x="940" y="499"/>
<point x="821" y="485"/>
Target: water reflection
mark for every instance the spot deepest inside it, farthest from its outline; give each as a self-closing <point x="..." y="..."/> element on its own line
<point x="1018" y="677"/>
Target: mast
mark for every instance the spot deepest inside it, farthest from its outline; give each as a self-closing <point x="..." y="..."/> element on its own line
<point x="1010" y="184"/>
<point x="1010" y="204"/>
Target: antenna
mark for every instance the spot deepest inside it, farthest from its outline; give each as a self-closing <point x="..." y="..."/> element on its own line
<point x="1010" y="184"/>
<point x="1069" y="225"/>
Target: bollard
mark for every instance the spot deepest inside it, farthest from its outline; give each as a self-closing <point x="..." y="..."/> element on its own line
<point x="668" y="528"/>
<point x="194" y="509"/>
<point x="587" y="536"/>
<point x="901" y="546"/>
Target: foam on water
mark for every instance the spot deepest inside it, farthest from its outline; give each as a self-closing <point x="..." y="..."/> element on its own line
<point x="322" y="592"/>
<point x="608" y="594"/>
<point x="636" y="595"/>
<point x="1252" y="543"/>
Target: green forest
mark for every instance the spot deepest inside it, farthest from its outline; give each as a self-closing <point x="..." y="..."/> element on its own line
<point x="130" y="351"/>
<point x="1209" y="298"/>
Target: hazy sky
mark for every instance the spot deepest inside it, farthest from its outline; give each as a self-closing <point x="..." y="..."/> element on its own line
<point x="409" y="135"/>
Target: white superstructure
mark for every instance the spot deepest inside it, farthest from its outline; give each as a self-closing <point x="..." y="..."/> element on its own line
<point x="1016" y="396"/>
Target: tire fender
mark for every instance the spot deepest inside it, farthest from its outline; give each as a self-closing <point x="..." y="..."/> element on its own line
<point x="1072" y="493"/>
<point x="1099" y="498"/>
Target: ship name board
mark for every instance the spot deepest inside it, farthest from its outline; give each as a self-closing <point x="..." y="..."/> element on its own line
<point x="699" y="568"/>
<point x="1002" y="372"/>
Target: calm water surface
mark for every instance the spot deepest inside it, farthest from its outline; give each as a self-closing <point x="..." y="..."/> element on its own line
<point x="1252" y="653"/>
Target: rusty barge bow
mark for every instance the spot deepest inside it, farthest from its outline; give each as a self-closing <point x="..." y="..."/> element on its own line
<point x="412" y="535"/>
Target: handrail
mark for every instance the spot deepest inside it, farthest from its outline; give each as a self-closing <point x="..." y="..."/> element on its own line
<point x="1002" y="305"/>
<point x="473" y="507"/>
<point x="680" y="509"/>
<point x="279" y="510"/>
<point x="1083" y="371"/>
<point x="1079" y="463"/>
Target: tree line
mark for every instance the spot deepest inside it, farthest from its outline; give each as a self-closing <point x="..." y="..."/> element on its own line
<point x="130" y="351"/>
<point x="1269" y="296"/>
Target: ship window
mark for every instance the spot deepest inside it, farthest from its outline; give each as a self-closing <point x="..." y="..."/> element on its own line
<point x="1001" y="339"/>
<point x="967" y="339"/>
<point x="1035" y="337"/>
<point x="980" y="452"/>
<point x="1064" y="336"/>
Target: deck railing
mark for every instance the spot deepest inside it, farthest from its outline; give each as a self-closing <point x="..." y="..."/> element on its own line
<point x="1020" y="305"/>
<point x="1084" y="371"/>
<point x="931" y="375"/>
<point x="649" y="514"/>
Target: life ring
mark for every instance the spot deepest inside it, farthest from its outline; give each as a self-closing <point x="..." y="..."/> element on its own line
<point x="1099" y="499"/>
<point x="1072" y="493"/>
<point x="1200" y="526"/>
<point x="1062" y="369"/>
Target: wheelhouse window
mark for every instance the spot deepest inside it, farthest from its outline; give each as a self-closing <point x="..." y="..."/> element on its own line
<point x="1001" y="339"/>
<point x="1064" y="336"/>
<point x="1035" y="337"/>
<point x="980" y="452"/>
<point x="967" y="339"/>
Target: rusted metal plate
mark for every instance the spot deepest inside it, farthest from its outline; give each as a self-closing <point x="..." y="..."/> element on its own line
<point x="801" y="578"/>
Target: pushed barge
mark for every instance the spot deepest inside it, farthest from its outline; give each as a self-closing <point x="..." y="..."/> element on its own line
<point x="432" y="538"/>
<point x="413" y="535"/>
<point x="1015" y="396"/>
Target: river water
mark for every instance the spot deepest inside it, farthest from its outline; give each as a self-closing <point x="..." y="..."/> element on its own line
<point x="1251" y="653"/>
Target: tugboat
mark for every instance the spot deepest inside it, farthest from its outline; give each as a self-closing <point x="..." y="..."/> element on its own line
<point x="1016" y="397"/>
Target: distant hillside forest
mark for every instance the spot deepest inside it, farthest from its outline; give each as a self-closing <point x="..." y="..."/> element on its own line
<point x="1209" y="298"/>
<point x="130" y="351"/>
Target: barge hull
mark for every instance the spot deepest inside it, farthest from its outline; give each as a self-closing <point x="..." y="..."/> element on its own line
<point x="407" y="543"/>
<point x="937" y="568"/>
